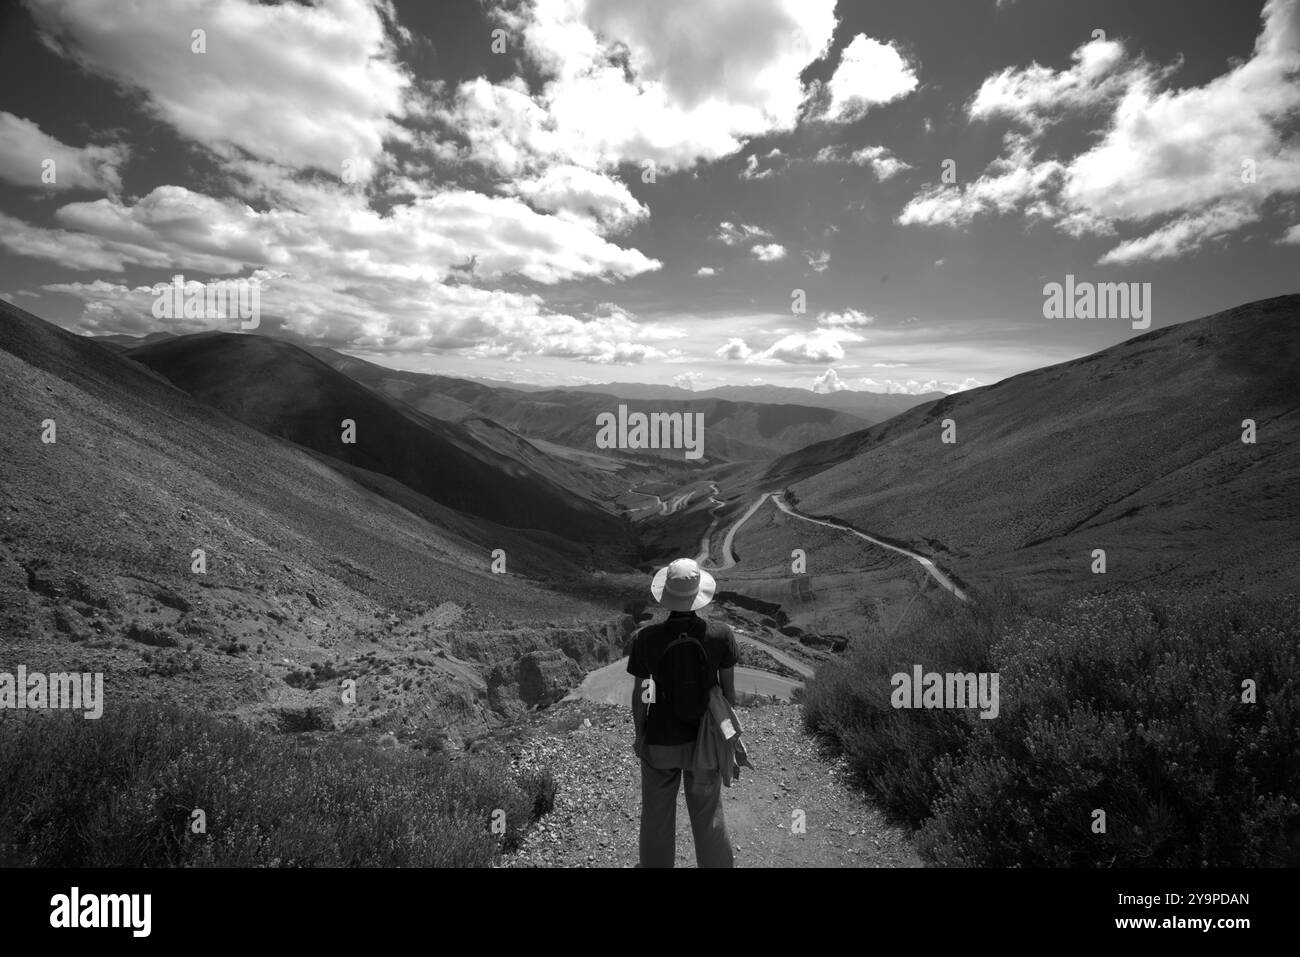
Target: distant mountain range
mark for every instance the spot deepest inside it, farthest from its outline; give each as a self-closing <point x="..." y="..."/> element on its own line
<point x="122" y="342"/>
<point x="872" y="407"/>
<point x="734" y="430"/>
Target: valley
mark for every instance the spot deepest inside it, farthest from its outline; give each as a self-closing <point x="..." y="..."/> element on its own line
<point x="371" y="561"/>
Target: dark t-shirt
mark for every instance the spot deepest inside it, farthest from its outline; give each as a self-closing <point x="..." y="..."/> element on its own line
<point x="662" y="726"/>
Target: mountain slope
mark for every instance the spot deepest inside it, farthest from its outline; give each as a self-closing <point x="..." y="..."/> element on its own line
<point x="283" y="390"/>
<point x="1135" y="450"/>
<point x="308" y="561"/>
<point x="604" y="483"/>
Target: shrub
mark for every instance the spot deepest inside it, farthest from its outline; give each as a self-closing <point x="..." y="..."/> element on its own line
<point x="119" y="792"/>
<point x="894" y="751"/>
<point x="1127" y="702"/>
<point x="540" y="786"/>
<point x="169" y="665"/>
<point x="150" y="635"/>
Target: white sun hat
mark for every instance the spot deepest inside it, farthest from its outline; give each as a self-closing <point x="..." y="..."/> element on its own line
<point x="682" y="585"/>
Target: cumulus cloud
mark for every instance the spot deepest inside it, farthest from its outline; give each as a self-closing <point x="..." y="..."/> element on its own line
<point x="734" y="234"/>
<point x="918" y="387"/>
<point x="769" y="165"/>
<point x="599" y="202"/>
<point x="1013" y="181"/>
<point x="420" y="273"/>
<point x="734" y="349"/>
<point x="24" y="148"/>
<point x="348" y="276"/>
<point x="261" y="87"/>
<point x="829" y="381"/>
<point x="75" y="250"/>
<point x="626" y="81"/>
<point x="687" y="380"/>
<point x="751" y="170"/>
<point x="768" y="252"/>
<point x="1183" y="233"/>
<point x="387" y="318"/>
<point x="1185" y="165"/>
<point x="443" y="267"/>
<point x="848" y="319"/>
<point x="422" y="239"/>
<point x="870" y="72"/>
<point x="818" y="259"/>
<point x="1037" y="95"/>
<point x="1176" y="152"/>
<point x="884" y="164"/>
<point x="819" y="346"/>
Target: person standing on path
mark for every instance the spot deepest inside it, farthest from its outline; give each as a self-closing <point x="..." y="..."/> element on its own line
<point x="675" y="663"/>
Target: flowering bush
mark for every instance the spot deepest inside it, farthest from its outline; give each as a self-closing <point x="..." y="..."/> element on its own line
<point x="1126" y="703"/>
<point x="121" y="792"/>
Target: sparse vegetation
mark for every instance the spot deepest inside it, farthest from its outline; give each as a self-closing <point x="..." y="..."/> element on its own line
<point x="169" y="665"/>
<point x="324" y="675"/>
<point x="752" y="657"/>
<point x="120" y="792"/>
<point x="1130" y="703"/>
<point x="151" y="635"/>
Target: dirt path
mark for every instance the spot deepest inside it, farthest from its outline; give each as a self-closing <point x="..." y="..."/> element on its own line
<point x="802" y="667"/>
<point x="934" y="570"/>
<point x="595" y="821"/>
<point x="702" y="558"/>
<point x="660" y="507"/>
<point x="729" y="558"/>
<point x="794" y="809"/>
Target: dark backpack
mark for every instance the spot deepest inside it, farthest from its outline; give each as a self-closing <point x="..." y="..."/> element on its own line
<point x="683" y="678"/>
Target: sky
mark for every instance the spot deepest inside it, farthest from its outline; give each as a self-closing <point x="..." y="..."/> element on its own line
<point x="804" y="193"/>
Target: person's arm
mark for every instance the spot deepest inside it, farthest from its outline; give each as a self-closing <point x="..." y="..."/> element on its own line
<point x="638" y="715"/>
<point x="727" y="669"/>
<point x="636" y="664"/>
<point x="727" y="676"/>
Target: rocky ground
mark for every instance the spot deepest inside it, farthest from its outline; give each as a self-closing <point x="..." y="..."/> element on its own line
<point x="279" y="652"/>
<point x="588" y="748"/>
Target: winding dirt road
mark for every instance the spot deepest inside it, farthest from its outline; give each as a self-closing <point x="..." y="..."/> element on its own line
<point x="802" y="667"/>
<point x="662" y="506"/>
<point x="659" y="506"/>
<point x="729" y="558"/>
<point x="934" y="570"/>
